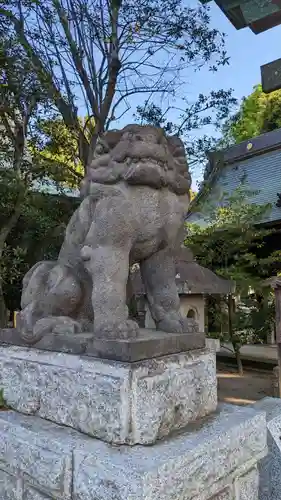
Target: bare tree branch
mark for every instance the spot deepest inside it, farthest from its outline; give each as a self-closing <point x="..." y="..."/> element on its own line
<point x="106" y="51"/>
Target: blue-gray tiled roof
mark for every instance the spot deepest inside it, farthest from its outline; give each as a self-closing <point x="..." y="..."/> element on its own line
<point x="262" y="173"/>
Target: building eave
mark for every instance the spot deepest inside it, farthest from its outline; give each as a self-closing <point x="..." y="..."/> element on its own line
<point x="245" y="150"/>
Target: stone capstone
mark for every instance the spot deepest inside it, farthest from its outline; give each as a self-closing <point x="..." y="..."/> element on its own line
<point x="214" y="459"/>
<point x="11" y="487"/>
<point x="114" y="401"/>
<point x="149" y="344"/>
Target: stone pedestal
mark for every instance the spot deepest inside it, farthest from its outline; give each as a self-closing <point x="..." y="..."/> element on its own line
<point x="115" y="401"/>
<point x="215" y="459"/>
<point x="82" y="425"/>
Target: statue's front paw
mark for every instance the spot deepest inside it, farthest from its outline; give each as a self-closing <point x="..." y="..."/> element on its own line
<point x="181" y="325"/>
<point x="189" y="325"/>
<point x="117" y="330"/>
<point x="169" y="325"/>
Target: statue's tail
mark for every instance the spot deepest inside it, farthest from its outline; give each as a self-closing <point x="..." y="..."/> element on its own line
<point x="47" y="325"/>
<point x="25" y="322"/>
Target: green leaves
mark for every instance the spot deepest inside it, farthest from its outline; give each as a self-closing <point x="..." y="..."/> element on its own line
<point x="235" y="247"/>
<point x="258" y="113"/>
<point x="232" y="244"/>
<point x="207" y="110"/>
<point x="12" y="264"/>
<point x="57" y="152"/>
<point x="98" y="54"/>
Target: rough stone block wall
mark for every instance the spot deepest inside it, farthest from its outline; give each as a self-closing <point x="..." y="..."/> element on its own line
<point x="109" y="400"/>
<point x="13" y="488"/>
<point x="237" y="486"/>
<point x="247" y="486"/>
<point x="216" y="460"/>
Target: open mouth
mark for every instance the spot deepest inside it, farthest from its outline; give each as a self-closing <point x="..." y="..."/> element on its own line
<point x="147" y="163"/>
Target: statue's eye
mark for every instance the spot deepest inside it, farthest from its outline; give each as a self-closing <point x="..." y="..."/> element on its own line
<point x="99" y="149"/>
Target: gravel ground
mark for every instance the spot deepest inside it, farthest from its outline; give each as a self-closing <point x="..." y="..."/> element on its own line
<point x="245" y="389"/>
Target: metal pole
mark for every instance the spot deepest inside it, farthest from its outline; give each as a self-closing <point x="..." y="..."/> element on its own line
<point x="277" y="291"/>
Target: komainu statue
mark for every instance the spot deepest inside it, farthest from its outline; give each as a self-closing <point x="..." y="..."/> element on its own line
<point x="135" y="196"/>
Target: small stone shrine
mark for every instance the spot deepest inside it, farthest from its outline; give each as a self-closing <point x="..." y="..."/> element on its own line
<point x="99" y="408"/>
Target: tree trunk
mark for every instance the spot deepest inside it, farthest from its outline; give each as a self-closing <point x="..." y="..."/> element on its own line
<point x="236" y="345"/>
<point x="4" y="233"/>
<point x="3" y="309"/>
<point x="238" y="359"/>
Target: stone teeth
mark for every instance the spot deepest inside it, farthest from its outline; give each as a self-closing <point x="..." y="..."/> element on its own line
<point x="150" y="161"/>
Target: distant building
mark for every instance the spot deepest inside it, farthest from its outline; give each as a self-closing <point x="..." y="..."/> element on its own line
<point x="258" y="15"/>
<point x="257" y="162"/>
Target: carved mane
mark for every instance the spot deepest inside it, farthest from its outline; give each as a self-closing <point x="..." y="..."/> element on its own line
<point x="139" y="155"/>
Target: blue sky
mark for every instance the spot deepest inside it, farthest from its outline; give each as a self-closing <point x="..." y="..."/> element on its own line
<point x="247" y="53"/>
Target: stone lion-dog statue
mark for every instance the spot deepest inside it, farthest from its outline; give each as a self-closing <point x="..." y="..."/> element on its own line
<point x="135" y="197"/>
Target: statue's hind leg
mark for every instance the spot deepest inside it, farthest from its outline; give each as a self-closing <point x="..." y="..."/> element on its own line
<point x="49" y="301"/>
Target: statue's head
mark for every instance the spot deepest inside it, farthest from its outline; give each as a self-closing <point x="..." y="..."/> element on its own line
<point x="139" y="155"/>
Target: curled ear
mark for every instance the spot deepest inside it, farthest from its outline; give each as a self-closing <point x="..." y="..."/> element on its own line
<point x="112" y="137"/>
<point x="176" y="146"/>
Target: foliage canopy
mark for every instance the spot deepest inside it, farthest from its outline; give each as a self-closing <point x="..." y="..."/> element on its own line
<point x="97" y="54"/>
<point x="258" y="113"/>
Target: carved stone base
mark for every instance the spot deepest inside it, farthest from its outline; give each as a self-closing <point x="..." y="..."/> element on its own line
<point x="114" y="401"/>
<point x="150" y="344"/>
<point x="213" y="460"/>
